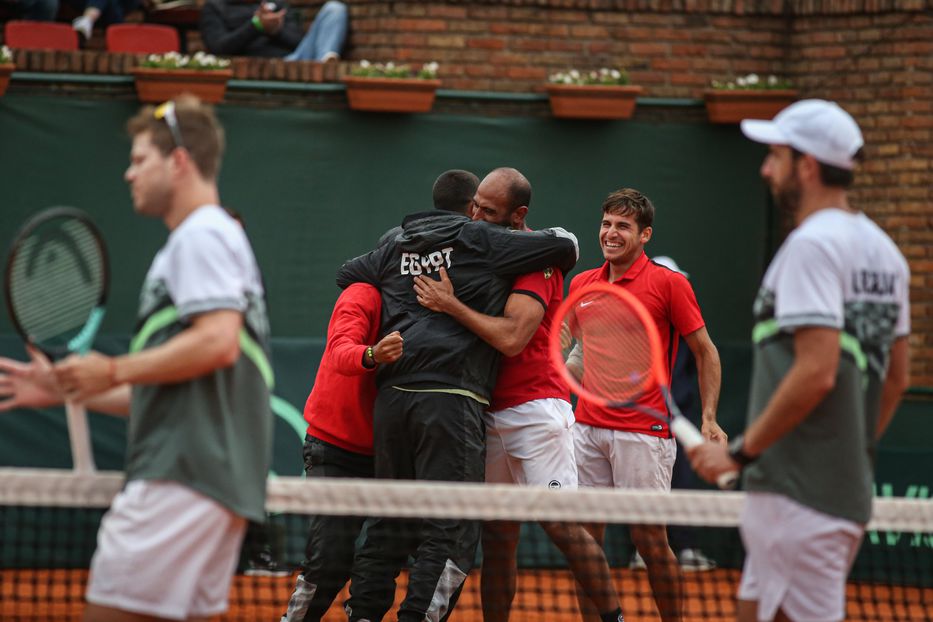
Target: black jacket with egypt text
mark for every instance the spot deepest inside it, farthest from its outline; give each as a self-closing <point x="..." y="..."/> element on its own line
<point x="481" y="260"/>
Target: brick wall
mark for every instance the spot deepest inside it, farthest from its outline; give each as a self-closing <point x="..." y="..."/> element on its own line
<point x="514" y="46"/>
<point x="879" y="66"/>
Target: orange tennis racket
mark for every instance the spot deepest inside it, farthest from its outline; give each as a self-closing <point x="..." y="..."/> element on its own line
<point x="617" y="357"/>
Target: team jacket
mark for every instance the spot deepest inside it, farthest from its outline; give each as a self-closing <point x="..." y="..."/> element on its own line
<point x="481" y="260"/>
<point x="339" y="409"/>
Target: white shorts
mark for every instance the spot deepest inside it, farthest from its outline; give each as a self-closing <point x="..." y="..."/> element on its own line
<point x="614" y="459"/>
<point x="165" y="550"/>
<point x="797" y="559"/>
<point x="531" y="444"/>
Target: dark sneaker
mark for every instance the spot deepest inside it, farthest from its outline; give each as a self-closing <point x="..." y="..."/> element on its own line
<point x="263" y="565"/>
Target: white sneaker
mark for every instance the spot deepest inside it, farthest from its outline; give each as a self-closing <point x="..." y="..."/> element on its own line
<point x="83" y="25"/>
<point x="637" y="563"/>
<point x="693" y="560"/>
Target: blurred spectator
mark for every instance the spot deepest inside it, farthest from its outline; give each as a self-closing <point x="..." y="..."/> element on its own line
<point x="107" y="11"/>
<point x="36" y="10"/>
<point x="270" y="29"/>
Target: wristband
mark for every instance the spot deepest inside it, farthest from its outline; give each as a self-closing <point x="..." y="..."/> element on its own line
<point x="257" y="24"/>
<point x="737" y="453"/>
<point x="369" y="355"/>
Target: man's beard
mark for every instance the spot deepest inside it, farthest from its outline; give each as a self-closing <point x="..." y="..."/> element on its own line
<point x="787" y="197"/>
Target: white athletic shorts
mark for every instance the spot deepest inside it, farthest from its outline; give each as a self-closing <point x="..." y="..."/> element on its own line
<point x="531" y="444"/>
<point x="614" y="459"/>
<point x="797" y="559"/>
<point x="167" y="551"/>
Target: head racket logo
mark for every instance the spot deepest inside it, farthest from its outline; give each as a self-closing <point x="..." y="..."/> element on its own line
<point x="553" y="484"/>
<point x="46" y="247"/>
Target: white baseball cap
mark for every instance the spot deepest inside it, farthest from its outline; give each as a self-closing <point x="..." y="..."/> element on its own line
<point x="667" y="262"/>
<point x="816" y="127"/>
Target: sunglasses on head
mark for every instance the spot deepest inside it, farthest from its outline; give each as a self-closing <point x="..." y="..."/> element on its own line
<point x="166" y="112"/>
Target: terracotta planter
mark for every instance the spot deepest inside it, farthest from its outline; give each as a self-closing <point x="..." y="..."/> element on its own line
<point x="5" y="70"/>
<point x="724" y="106"/>
<point x="391" y="94"/>
<point x="155" y="86"/>
<point x="592" y="102"/>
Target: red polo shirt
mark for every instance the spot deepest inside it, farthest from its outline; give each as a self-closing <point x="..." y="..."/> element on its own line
<point x="529" y="374"/>
<point x="339" y="410"/>
<point x="669" y="298"/>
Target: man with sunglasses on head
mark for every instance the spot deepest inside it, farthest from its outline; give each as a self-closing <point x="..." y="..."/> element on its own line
<point x="195" y="387"/>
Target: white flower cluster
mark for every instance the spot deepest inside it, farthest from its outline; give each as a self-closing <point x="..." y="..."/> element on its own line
<point x="429" y="71"/>
<point x="6" y="56"/>
<point x="174" y="60"/>
<point x="753" y="82"/>
<point x="604" y="76"/>
<point x="366" y="69"/>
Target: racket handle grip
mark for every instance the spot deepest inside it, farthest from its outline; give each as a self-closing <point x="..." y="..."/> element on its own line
<point x="686" y="432"/>
<point x="727" y="481"/>
<point x="690" y="437"/>
<point x="79" y="434"/>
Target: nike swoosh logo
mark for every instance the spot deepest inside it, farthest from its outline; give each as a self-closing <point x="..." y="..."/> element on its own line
<point x="587" y="303"/>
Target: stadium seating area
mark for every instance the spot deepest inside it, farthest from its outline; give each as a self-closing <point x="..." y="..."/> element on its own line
<point x="115" y="49"/>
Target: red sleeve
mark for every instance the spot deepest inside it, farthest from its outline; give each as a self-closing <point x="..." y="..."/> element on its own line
<point x="685" y="312"/>
<point x="536" y="284"/>
<point x="356" y="312"/>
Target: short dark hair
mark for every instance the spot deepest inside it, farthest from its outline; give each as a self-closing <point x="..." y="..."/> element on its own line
<point x="834" y="176"/>
<point x="200" y="131"/>
<point x="630" y="202"/>
<point x="453" y="191"/>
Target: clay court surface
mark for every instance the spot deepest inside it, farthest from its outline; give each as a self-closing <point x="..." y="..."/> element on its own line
<point x="543" y="595"/>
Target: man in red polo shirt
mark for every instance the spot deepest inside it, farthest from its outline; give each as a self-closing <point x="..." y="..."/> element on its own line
<point x="626" y="449"/>
<point x="529" y="422"/>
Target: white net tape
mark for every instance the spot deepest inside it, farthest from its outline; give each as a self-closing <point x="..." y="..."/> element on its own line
<point x="344" y="497"/>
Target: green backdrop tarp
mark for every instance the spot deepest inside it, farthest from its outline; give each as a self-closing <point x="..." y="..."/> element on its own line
<point x="319" y="187"/>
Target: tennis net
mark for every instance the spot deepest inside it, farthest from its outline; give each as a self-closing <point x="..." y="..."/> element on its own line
<point x="49" y="521"/>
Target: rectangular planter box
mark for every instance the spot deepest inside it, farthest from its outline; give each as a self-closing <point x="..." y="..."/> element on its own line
<point x="725" y="106"/>
<point x="571" y="101"/>
<point x="154" y="86"/>
<point x="391" y="94"/>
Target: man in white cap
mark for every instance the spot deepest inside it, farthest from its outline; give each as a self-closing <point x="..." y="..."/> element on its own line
<point x="830" y="364"/>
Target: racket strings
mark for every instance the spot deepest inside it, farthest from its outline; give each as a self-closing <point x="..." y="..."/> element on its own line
<point x="56" y="279"/>
<point x="617" y="355"/>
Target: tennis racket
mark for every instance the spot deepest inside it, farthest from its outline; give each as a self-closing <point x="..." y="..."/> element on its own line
<point x="56" y="283"/>
<point x="622" y="358"/>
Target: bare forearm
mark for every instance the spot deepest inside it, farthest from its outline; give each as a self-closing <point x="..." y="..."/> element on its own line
<point x="499" y="332"/>
<point x="189" y="354"/>
<point x="709" y="375"/>
<point x="890" y="400"/>
<point x="895" y="383"/>
<point x="115" y="401"/>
